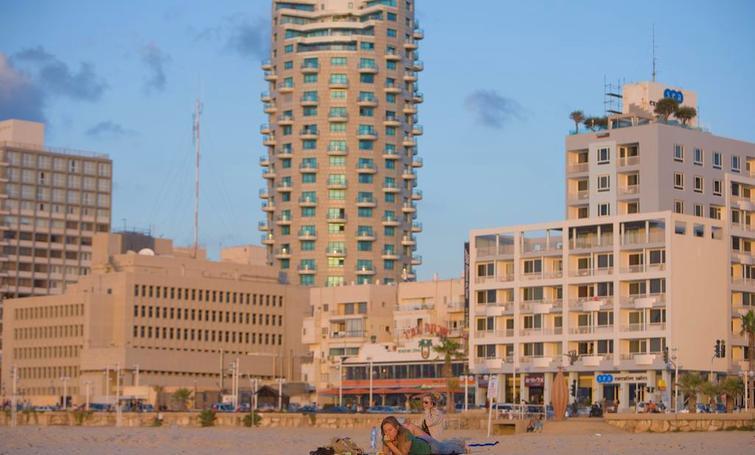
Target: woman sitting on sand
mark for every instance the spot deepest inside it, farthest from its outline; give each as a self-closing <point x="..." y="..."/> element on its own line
<point x="411" y="440"/>
<point x="433" y="420"/>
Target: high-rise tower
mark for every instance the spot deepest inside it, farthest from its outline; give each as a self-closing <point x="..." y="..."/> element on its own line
<point x="341" y="160"/>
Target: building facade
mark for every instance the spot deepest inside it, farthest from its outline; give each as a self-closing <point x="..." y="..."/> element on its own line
<point x="679" y="185"/>
<point x="341" y="142"/>
<point x="353" y="325"/>
<point x="159" y="317"/>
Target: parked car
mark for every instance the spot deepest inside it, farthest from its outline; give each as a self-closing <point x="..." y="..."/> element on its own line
<point x="148" y="408"/>
<point x="266" y="408"/>
<point x="100" y="407"/>
<point x="307" y="409"/>
<point x="222" y="407"/>
<point x="244" y="407"/>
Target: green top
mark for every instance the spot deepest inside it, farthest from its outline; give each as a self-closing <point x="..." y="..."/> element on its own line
<point x="419" y="446"/>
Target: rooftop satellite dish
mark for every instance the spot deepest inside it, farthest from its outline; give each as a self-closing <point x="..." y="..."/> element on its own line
<point x="146" y="252"/>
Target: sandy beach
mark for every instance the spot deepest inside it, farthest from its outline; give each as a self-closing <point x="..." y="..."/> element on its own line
<point x="262" y="441"/>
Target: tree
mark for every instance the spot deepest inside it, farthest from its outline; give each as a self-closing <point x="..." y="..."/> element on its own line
<point x="685" y="114"/>
<point x="748" y="329"/>
<point x="665" y="107"/>
<point x="181" y="398"/>
<point x="732" y="387"/>
<point x="450" y="350"/>
<point x="690" y="384"/>
<point x="577" y="117"/>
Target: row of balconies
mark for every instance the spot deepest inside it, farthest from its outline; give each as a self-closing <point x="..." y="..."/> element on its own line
<point x="578" y="330"/>
<point x="628" y="359"/>
<point x="582" y="304"/>
<point x="508" y="277"/>
<point x="578" y="168"/>
<point x="634" y="239"/>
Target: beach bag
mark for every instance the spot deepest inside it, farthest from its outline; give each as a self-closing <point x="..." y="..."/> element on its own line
<point x="345" y="446"/>
<point x="322" y="451"/>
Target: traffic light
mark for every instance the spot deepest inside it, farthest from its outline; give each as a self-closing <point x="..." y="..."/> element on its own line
<point x="717" y="349"/>
<point x="665" y="354"/>
<point x="723" y="348"/>
<point x="574" y="389"/>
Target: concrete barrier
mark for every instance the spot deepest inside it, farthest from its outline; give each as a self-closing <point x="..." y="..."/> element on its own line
<point x="663" y="423"/>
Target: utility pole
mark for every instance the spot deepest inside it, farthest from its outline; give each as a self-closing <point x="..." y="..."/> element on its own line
<point x="14" y="398"/>
<point x="88" y="385"/>
<point x="197" y="148"/>
<point x="118" y="395"/>
<point x="65" y="392"/>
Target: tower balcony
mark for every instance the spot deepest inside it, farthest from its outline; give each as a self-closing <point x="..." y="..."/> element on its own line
<point x="307" y="234"/>
<point x="418" y="34"/>
<point x="269" y="173"/>
<point x="416" y="227"/>
<point x="310" y="67"/>
<point x="336" y="184"/>
<point x="307" y="269"/>
<point x="416" y="260"/>
<point x="288" y="88"/>
<point x="408" y="240"/>
<point x="268" y="206"/>
<point x="269" y="108"/>
<point x="338" y="117"/>
<point x="410" y="109"/>
<point x="366" y="168"/>
<point x="307" y="167"/>
<point x="264" y="161"/>
<point x="417" y="195"/>
<point x="409" y="141"/>
<point x="417" y="162"/>
<point x="267" y="239"/>
<point x="390" y="221"/>
<point x="334" y="252"/>
<point x="308" y="133"/>
<point x="417" y="65"/>
<point x="282" y="253"/>
<point x="410" y="76"/>
<point x="364" y="270"/>
<point x="366" y="236"/>
<point x="410" y="44"/>
<point x="392" y="121"/>
<point x="390" y="155"/>
<point x="284" y="153"/>
<point x="367" y="134"/>
<point x="390" y="188"/>
<point x="417" y="130"/>
<point x="389" y="254"/>
<point x="308" y="201"/>
<point x="408" y="207"/>
<point x="408" y="174"/>
<point x="285" y="119"/>
<point x="418" y="97"/>
<point x="267" y="65"/>
<point x="263" y="226"/>
<point x="269" y="140"/>
<point x="337" y="151"/>
<point x="264" y="194"/>
<point x="283" y="220"/>
<point x="309" y="100"/>
<point x="283" y="187"/>
<point x="367" y="68"/>
<point x="367" y="100"/>
<point x="365" y="201"/>
<point x="271" y="76"/>
<point x="265" y="97"/>
<point x="392" y="88"/>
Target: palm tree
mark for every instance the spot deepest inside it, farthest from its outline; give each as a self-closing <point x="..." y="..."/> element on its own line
<point x="665" y="107"/>
<point x="685" y="114"/>
<point x="748" y="329"/>
<point x="690" y="384"/>
<point x="577" y="117"/>
<point x="450" y="350"/>
<point x="181" y="397"/>
<point x="732" y="387"/>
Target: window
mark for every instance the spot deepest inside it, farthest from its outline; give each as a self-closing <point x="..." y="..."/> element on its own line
<point x="338" y="78"/>
<point x="714" y="212"/>
<point x="367" y="46"/>
<point x="735" y="163"/>
<point x="678" y="180"/>
<point x="604" y="183"/>
<point x="678" y="152"/>
<point x="391" y="32"/>
<point x="288" y="48"/>
<point x="338" y="61"/>
<point x="698" y="210"/>
<point x="678" y="207"/>
<point x="604" y="209"/>
<point x="604" y="155"/>
<point x="698" y="156"/>
<point x="716" y="187"/>
<point x="717" y="160"/>
<point x="338" y="94"/>
<point x="367" y="78"/>
<point x="288" y="65"/>
<point x="698" y="184"/>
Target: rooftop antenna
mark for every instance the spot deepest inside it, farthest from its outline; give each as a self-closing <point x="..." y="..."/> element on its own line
<point x="653" y="41"/>
<point x="197" y="149"/>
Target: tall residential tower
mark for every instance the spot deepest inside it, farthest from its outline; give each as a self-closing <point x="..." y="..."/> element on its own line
<point x="341" y="159"/>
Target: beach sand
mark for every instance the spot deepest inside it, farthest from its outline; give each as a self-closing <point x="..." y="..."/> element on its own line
<point x="262" y="441"/>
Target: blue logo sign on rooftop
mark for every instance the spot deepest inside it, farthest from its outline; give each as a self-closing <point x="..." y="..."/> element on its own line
<point x="674" y="95"/>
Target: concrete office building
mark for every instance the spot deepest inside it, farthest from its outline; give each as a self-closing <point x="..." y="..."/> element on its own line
<point x="347" y="323"/>
<point x="162" y="317"/>
<point x="636" y="170"/>
<point x="341" y="160"/>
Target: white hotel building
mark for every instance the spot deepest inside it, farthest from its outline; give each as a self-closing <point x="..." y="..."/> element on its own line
<point x="655" y="252"/>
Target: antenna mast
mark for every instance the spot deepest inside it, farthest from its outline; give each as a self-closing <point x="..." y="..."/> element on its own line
<point x="653" y="41"/>
<point x="197" y="149"/>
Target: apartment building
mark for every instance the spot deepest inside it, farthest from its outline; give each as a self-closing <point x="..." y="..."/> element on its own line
<point x="601" y="298"/>
<point x="641" y="165"/>
<point x="159" y="316"/>
<point x="341" y="162"/>
<point x="384" y="324"/>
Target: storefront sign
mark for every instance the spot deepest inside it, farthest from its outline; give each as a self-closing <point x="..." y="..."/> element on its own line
<point x="621" y="378"/>
<point x="534" y="381"/>
<point x="426" y="329"/>
<point x="492" y="387"/>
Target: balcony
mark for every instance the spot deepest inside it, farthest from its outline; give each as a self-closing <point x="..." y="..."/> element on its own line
<point x="389" y="254"/>
<point x="579" y="196"/>
<point x="416" y="227"/>
<point x="408" y="174"/>
<point x="268" y="173"/>
<point x="541" y="275"/>
<point x="743" y="203"/>
<point x="337" y="151"/>
<point x="366" y="236"/>
<point x="417" y="162"/>
<point x="282" y="253"/>
<point x="409" y="141"/>
<point x="543" y="306"/>
<point x="307" y="270"/>
<point x="597" y="271"/>
<point x="338" y="83"/>
<point x="409" y="109"/>
<point x="284" y="153"/>
<point x="307" y="201"/>
<point x="408" y="207"/>
<point x="366" y="201"/>
<point x="283" y="220"/>
<point x="335" y="252"/>
<point x="629" y="189"/>
<point x="644" y="301"/>
<point x="643" y="268"/>
<point x="392" y="55"/>
<point x="408" y="240"/>
<point x="590" y="304"/>
<point x="265" y="128"/>
<point x="307" y="167"/>
<point x="392" y="120"/>
<point x="417" y="195"/>
<point x="284" y="187"/>
<point x="366" y="168"/>
<point x="337" y="217"/>
<point x="498" y="333"/>
<point x="264" y="161"/>
<point x="307" y="234"/>
<point x="410" y="76"/>
<point x="364" y="270"/>
<point x="629" y="161"/>
<point x="644" y="327"/>
<point x="338" y="117"/>
<point x="410" y="44"/>
<point x="265" y="97"/>
<point x="267" y="239"/>
<point x="390" y="187"/>
<point x="640" y="358"/>
<point x="537" y="361"/>
<point x="269" y="108"/>
<point x="267" y="65"/>
<point x="417" y="65"/>
<point x="495" y="309"/>
<point x="418" y="34"/>
<point x="264" y="193"/>
<point x="390" y="221"/>
<point x="367" y="134"/>
<point x="348" y="334"/>
<point x="642" y="237"/>
<point x="263" y="226"/>
<point x="577" y="168"/>
<point x="416" y="260"/>
<point x="308" y="133"/>
<point x="418" y="98"/>
<point x="268" y="206"/>
<point x="367" y="100"/>
<point x="368" y="68"/>
<point x="591" y="329"/>
<point x="269" y="140"/>
<point x="309" y="100"/>
<point x="392" y="88"/>
<point x="310" y="67"/>
<point x="592" y="241"/>
<point x="390" y="155"/>
<point x="285" y="119"/>
<point x="285" y="88"/>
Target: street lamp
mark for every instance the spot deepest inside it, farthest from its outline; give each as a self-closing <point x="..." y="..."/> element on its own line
<point x="747" y="376"/>
<point x="65" y="392"/>
<point x="466" y="378"/>
<point x="340" y="382"/>
<point x="88" y="385"/>
<point x="370" y="360"/>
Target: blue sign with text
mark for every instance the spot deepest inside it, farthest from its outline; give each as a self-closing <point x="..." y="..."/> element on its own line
<point x="604" y="378"/>
<point x="674" y="95"/>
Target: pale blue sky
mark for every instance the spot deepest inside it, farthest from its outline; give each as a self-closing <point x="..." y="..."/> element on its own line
<point x="499" y="83"/>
